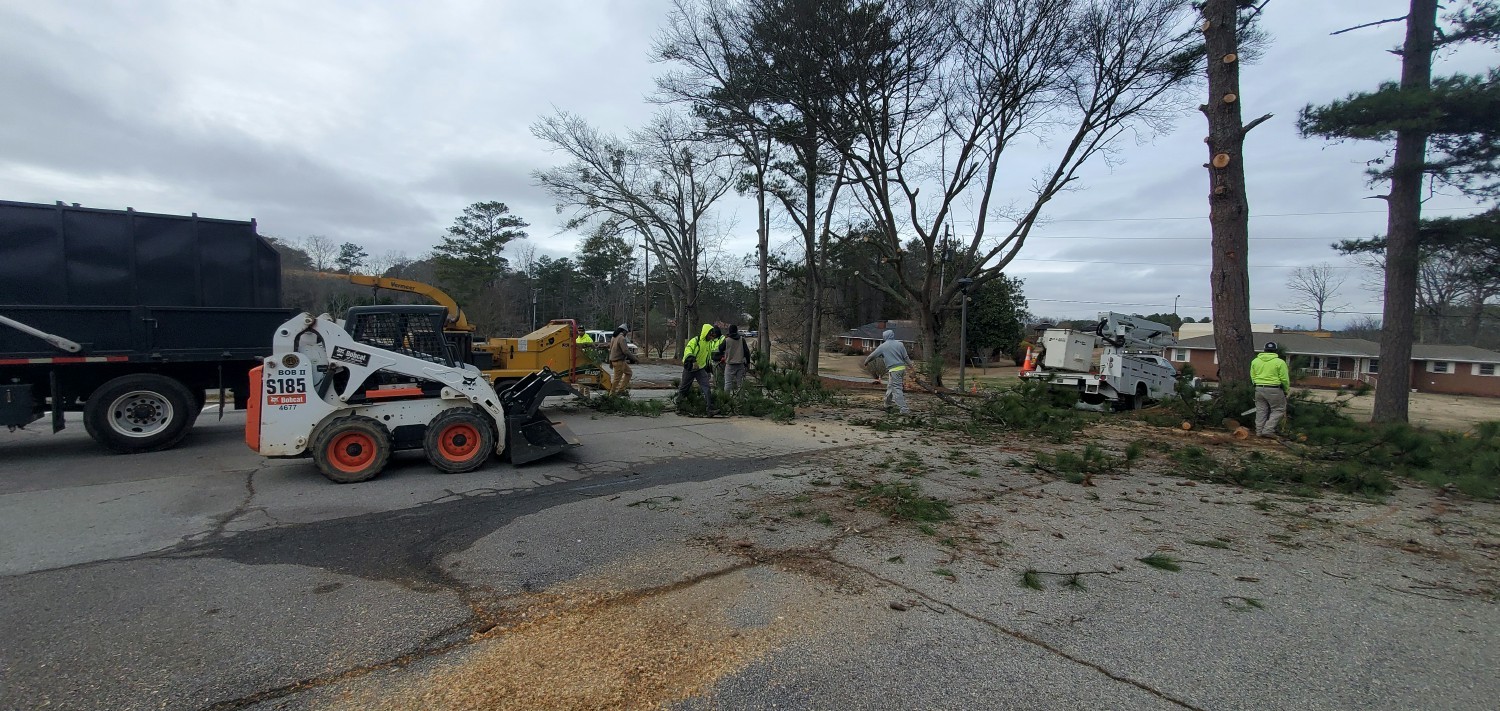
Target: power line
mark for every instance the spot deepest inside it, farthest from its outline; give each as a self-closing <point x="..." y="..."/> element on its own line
<point x="1201" y="238"/>
<point x="1164" y="264"/>
<point x="1205" y="217"/>
<point x="1210" y="308"/>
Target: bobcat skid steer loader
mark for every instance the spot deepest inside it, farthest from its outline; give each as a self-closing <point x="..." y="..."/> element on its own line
<point x="349" y="395"/>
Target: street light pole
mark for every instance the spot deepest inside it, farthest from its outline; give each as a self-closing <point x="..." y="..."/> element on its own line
<point x="963" y="328"/>
<point x="1174" y="304"/>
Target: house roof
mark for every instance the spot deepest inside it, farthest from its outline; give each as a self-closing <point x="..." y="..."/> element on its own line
<point x="1303" y="344"/>
<point x="1299" y="344"/>
<point x="905" y="330"/>
<point x="1466" y="354"/>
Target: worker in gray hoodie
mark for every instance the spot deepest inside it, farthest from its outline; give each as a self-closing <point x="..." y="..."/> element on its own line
<point x="893" y="352"/>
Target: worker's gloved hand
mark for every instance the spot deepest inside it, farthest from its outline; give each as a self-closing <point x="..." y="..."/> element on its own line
<point x="691" y="362"/>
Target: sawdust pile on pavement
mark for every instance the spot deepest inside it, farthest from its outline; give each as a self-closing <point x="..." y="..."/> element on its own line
<point x="595" y="652"/>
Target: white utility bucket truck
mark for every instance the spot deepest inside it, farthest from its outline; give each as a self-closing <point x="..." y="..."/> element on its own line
<point x="1129" y="370"/>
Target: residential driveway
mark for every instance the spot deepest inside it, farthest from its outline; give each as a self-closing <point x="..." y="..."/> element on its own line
<point x="723" y="563"/>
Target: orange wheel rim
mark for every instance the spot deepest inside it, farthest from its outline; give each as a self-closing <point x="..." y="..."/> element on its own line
<point x="459" y="442"/>
<point x="351" y="451"/>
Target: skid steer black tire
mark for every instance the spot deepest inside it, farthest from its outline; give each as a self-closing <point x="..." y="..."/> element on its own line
<point x="459" y="439"/>
<point x="352" y="449"/>
<point x="137" y="413"/>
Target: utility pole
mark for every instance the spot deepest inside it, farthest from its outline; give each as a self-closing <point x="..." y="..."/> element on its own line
<point x="963" y="329"/>
<point x="646" y="292"/>
<point x="945" y="255"/>
<point x="534" y="294"/>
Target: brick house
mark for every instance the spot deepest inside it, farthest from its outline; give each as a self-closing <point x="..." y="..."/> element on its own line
<point x="868" y="336"/>
<point x="1455" y="370"/>
<point x="1335" y="362"/>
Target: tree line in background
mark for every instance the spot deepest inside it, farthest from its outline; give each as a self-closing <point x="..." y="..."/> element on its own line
<point x="879" y="135"/>
<point x="505" y="289"/>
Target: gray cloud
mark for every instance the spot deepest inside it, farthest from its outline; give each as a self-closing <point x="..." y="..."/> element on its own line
<point x="378" y="123"/>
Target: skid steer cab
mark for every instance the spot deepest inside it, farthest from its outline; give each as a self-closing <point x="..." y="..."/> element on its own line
<point x="348" y="396"/>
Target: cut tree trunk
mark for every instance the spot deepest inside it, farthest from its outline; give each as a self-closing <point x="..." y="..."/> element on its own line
<point x="1229" y="208"/>
<point x="1404" y="213"/>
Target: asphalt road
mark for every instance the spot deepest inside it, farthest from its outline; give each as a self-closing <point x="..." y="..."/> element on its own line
<point x="723" y="563"/>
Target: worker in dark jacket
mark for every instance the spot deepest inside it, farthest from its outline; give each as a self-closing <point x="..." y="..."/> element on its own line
<point x="734" y="353"/>
<point x="697" y="364"/>
<point x="1272" y="383"/>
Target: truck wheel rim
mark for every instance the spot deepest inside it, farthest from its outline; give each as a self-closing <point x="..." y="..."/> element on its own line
<point x="459" y="442"/>
<point x="140" y="413"/>
<point x="351" y="451"/>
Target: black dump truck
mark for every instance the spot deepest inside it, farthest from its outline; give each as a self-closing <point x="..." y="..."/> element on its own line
<point x="131" y="318"/>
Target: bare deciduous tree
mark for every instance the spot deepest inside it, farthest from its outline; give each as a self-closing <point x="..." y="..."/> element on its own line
<point x="700" y="37"/>
<point x="1314" y="289"/>
<point x="964" y="84"/>
<point x="379" y="264"/>
<point x="662" y="182"/>
<point x="320" y="250"/>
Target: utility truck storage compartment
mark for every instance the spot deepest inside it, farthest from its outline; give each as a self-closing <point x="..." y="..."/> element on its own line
<point x="1067" y="350"/>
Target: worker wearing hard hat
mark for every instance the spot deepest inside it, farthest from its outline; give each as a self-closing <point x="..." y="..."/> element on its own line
<point x="896" y="359"/>
<point x="1272" y="383"/>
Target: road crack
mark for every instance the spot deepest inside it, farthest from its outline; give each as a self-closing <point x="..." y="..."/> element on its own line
<point x="930" y="601"/>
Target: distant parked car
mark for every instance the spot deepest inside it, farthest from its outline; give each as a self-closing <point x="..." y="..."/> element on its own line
<point x="602" y="338"/>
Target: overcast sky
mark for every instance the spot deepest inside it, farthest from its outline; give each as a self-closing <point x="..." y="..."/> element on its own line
<point x="377" y="123"/>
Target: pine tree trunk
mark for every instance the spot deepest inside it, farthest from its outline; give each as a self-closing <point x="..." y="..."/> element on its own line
<point x="810" y="240"/>
<point x="1404" y="212"/>
<point x="1229" y="208"/>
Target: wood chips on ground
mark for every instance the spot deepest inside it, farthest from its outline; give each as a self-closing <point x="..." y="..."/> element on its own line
<point x="591" y="651"/>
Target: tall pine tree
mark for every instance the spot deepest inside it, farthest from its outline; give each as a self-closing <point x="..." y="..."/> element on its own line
<point x="469" y="257"/>
<point x="1452" y="116"/>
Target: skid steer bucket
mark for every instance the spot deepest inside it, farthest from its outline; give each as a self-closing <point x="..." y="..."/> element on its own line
<point x="529" y="435"/>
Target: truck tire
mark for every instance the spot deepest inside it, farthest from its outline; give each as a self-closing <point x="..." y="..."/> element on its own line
<point x="352" y="449"/>
<point x="139" y="413"/>
<point x="1133" y="402"/>
<point x="459" y="440"/>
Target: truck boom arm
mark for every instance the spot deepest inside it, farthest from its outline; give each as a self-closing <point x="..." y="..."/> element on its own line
<point x="457" y="319"/>
<point x="1121" y="331"/>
